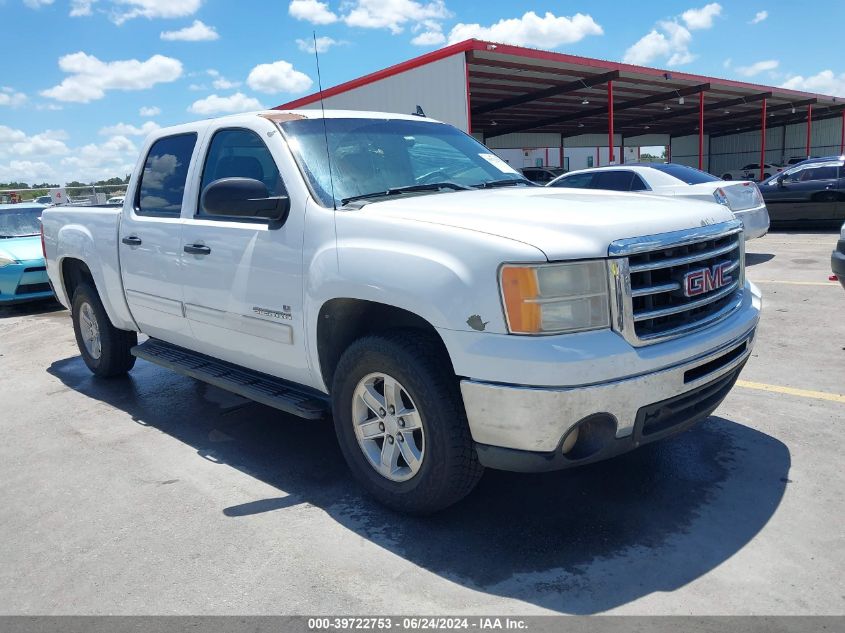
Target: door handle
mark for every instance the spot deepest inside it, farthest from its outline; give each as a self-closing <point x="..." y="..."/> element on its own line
<point x="197" y="249"/>
<point x="132" y="240"/>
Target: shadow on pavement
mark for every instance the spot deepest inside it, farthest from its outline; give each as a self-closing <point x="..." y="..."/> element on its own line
<point x="30" y="308"/>
<point x="752" y="259"/>
<point x="578" y="541"/>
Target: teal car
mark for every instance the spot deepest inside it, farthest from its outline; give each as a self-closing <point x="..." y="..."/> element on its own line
<point x="23" y="275"/>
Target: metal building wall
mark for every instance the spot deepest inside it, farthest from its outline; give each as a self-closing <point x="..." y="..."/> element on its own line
<point x="782" y="143"/>
<point x="685" y="150"/>
<point x="438" y="87"/>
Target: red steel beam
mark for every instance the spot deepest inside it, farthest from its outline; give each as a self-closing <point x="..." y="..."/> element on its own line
<point x="701" y="130"/>
<point x="762" y="139"/>
<point x="611" y="157"/>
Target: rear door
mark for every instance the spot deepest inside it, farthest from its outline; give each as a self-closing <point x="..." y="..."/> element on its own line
<point x="150" y="239"/>
<point x="243" y="293"/>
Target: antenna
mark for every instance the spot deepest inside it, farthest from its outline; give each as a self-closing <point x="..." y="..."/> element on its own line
<point x="325" y="126"/>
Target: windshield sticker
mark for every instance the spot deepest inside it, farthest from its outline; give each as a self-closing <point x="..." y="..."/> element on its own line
<point x="498" y="163"/>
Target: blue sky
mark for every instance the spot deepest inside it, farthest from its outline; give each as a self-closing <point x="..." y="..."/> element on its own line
<point x="84" y="80"/>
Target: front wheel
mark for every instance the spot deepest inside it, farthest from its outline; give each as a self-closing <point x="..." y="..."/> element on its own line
<point x="401" y="425"/>
<point x="104" y="348"/>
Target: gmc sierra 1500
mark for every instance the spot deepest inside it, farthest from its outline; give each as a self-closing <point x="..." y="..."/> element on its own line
<point x="394" y="273"/>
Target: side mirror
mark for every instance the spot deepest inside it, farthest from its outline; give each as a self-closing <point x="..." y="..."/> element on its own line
<point x="244" y="198"/>
<point x="780" y="180"/>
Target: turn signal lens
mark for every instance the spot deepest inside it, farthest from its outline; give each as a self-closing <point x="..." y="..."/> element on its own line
<point x="556" y="298"/>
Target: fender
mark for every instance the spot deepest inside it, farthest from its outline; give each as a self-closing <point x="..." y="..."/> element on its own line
<point x="76" y="241"/>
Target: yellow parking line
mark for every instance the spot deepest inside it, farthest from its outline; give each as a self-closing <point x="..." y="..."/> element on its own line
<point x="804" y="393"/>
<point x="832" y="284"/>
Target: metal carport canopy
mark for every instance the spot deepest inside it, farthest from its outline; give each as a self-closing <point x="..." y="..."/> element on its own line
<point x="513" y="89"/>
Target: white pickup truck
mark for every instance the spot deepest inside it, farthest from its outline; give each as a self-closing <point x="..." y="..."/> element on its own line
<point x="391" y="272"/>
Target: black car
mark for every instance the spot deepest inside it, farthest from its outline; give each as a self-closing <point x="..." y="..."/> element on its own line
<point x="542" y="175"/>
<point x="813" y="190"/>
<point x="837" y="258"/>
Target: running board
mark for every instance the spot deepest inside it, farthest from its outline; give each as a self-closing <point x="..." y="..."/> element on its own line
<point x="274" y="392"/>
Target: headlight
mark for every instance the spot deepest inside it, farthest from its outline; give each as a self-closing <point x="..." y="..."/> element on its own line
<point x="6" y="259"/>
<point x="555" y="298"/>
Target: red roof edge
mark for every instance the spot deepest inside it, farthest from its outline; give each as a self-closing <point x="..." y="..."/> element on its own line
<point x="416" y="62"/>
<point x="530" y="53"/>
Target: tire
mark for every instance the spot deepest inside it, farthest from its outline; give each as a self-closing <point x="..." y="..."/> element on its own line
<point x="726" y="177"/>
<point x="114" y="358"/>
<point x="448" y="469"/>
<point x="766" y="176"/>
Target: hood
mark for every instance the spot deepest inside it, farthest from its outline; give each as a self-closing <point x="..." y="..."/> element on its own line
<point x="22" y="248"/>
<point x="563" y="223"/>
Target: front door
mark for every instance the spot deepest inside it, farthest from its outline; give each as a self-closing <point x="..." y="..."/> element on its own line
<point x="807" y="192"/>
<point x="150" y="240"/>
<point x="242" y="277"/>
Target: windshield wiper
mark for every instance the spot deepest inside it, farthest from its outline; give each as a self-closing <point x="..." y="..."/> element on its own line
<point x="11" y="237"/>
<point x="507" y="182"/>
<point x="395" y="191"/>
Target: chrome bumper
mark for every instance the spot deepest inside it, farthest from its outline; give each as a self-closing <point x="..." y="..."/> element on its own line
<point x="537" y="419"/>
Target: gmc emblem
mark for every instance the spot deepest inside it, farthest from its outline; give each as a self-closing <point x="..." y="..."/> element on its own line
<point x="704" y="280"/>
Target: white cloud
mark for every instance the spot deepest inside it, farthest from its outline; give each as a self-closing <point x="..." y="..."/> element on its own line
<point x="213" y="104"/>
<point x="759" y="17"/>
<point x="98" y="161"/>
<point x="429" y="38"/>
<point x="17" y="144"/>
<point x="549" y="31"/>
<point x="125" y="129"/>
<point x="323" y="44"/>
<point x="149" y="111"/>
<point x="826" y="82"/>
<point x="757" y="67"/>
<point x="197" y="32"/>
<point x="701" y="18"/>
<point x="10" y="97"/>
<point x="393" y="14"/>
<point x="79" y="8"/>
<point x="10" y="135"/>
<point x="27" y="171"/>
<point x="37" y="4"/>
<point x="90" y="78"/>
<point x="311" y="11"/>
<point x="277" y="77"/>
<point x="670" y="40"/>
<point x="153" y="9"/>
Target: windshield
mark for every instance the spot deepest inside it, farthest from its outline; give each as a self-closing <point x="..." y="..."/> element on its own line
<point x="689" y="175"/>
<point x="20" y="222"/>
<point x="375" y="156"/>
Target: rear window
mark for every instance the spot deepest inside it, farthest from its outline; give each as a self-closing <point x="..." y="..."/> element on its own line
<point x="20" y="222"/>
<point x="689" y="175"/>
<point x="575" y="181"/>
<point x="165" y="172"/>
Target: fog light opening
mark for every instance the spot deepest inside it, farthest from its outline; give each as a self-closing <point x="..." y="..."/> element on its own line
<point x="569" y="440"/>
<point x="589" y="436"/>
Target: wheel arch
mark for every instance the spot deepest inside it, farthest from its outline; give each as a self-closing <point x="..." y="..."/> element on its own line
<point x="342" y="321"/>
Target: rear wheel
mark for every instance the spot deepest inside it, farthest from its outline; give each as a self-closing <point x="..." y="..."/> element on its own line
<point x="400" y="421"/>
<point x="726" y="177"/>
<point x="104" y="348"/>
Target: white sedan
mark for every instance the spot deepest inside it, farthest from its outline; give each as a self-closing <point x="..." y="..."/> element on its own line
<point x="742" y="197"/>
<point x="751" y="171"/>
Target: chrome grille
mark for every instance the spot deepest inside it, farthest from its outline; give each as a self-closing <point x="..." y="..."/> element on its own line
<point x="660" y="272"/>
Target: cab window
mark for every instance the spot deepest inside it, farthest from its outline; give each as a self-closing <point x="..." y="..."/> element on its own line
<point x="162" y="184"/>
<point x="615" y="180"/>
<point x="238" y="153"/>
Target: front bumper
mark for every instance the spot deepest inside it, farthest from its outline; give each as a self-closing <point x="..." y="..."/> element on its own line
<point x="755" y="222"/>
<point x="837" y="261"/>
<point x="24" y="281"/>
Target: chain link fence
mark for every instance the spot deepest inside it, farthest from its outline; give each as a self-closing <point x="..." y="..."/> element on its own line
<point x="74" y="196"/>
